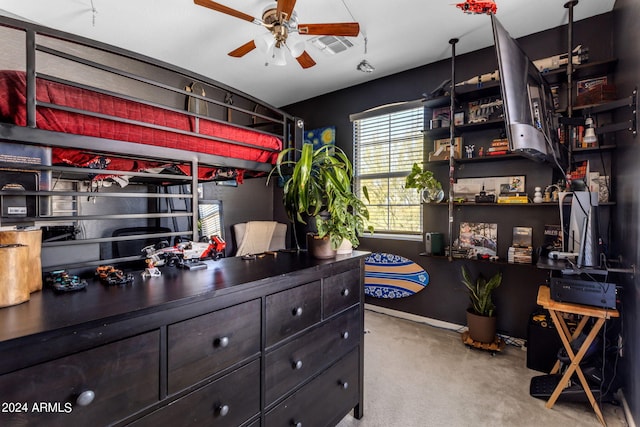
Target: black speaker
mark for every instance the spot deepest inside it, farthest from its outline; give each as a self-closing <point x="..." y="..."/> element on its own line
<point x="543" y="342"/>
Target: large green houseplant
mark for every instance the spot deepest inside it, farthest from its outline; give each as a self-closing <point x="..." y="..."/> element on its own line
<point x="481" y="318"/>
<point x="318" y="186"/>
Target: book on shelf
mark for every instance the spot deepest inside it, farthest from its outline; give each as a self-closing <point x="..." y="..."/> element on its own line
<point x="552" y="239"/>
<point x="522" y="237"/>
<point x="515" y="199"/>
<point x="520" y="255"/>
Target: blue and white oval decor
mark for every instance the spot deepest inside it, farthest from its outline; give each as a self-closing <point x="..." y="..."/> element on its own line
<point x="392" y="276"/>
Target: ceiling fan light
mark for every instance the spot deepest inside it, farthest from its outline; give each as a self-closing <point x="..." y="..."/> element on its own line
<point x="279" y="57"/>
<point x="297" y="48"/>
<point x="264" y="42"/>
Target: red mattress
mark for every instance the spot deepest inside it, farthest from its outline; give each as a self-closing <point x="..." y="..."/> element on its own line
<point x="13" y="110"/>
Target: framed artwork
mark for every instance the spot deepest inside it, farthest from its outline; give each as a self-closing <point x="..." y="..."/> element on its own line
<point x="321" y="136"/>
<point x="479" y="238"/>
<point x="467" y="188"/>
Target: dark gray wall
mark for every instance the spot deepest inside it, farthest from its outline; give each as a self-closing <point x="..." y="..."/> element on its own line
<point x="252" y="200"/>
<point x="627" y="50"/>
<point x="443" y="298"/>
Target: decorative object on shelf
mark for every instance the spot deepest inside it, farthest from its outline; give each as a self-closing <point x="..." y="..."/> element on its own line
<point x="469" y="149"/>
<point x="318" y="185"/>
<point x="593" y="91"/>
<point x="551" y="193"/>
<point x="392" y="276"/>
<point x="481" y="319"/>
<point x="441" y="150"/>
<point x="537" y="196"/>
<point x="467" y="188"/>
<point x="429" y="188"/>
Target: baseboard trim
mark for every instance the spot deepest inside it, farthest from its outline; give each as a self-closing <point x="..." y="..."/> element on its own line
<point x="627" y="411"/>
<point x="416" y="318"/>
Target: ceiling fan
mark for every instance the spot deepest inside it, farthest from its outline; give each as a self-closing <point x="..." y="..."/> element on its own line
<point x="282" y="22"/>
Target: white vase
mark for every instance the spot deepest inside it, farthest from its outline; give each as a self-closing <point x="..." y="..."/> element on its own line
<point x="345" y="248"/>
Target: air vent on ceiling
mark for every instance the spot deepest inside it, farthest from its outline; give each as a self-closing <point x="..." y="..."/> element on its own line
<point x="331" y="44"/>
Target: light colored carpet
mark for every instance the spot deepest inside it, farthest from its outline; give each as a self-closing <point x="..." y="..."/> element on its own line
<point x="417" y="375"/>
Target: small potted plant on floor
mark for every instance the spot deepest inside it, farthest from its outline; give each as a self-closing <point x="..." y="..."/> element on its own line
<point x="481" y="319"/>
<point x="318" y="187"/>
<point x="429" y="188"/>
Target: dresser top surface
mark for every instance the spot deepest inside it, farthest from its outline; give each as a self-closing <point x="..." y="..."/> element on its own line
<point x="48" y="311"/>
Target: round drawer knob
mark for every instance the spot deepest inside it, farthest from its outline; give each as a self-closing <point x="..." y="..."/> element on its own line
<point x="297" y="364"/>
<point x="296" y="423"/>
<point x="297" y="311"/>
<point x="344" y="385"/>
<point x="223" y="342"/>
<point x="223" y="410"/>
<point x="85" y="398"/>
<point x="345" y="292"/>
<point x="345" y="335"/>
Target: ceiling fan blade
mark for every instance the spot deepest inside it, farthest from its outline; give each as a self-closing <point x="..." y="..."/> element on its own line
<point x="285" y="9"/>
<point x="348" y="29"/>
<point x="243" y="50"/>
<point x="224" y="9"/>
<point x="305" y="60"/>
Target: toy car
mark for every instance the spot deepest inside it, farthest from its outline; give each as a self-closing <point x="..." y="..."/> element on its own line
<point x="62" y="281"/>
<point x="185" y="252"/>
<point x="112" y="276"/>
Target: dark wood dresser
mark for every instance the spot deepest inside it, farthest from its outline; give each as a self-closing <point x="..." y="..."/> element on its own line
<point x="276" y="341"/>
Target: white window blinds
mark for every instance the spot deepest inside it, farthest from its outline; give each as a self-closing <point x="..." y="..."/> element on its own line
<point x="385" y="146"/>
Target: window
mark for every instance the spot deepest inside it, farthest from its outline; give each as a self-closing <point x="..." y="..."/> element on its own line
<point x="387" y="141"/>
<point x="210" y="218"/>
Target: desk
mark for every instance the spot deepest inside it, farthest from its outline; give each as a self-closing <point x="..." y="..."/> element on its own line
<point x="555" y="309"/>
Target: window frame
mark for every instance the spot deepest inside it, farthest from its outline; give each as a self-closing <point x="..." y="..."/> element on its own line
<point x="392" y="111"/>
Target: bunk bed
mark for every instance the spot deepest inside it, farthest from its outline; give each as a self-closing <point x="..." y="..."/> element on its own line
<point x="100" y="112"/>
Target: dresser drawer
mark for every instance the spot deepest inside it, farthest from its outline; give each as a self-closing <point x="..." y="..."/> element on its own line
<point x="122" y="377"/>
<point x="201" y="346"/>
<point x="291" y="311"/>
<point x="300" y="359"/>
<point x="340" y="291"/>
<point x="326" y="398"/>
<point x="228" y="401"/>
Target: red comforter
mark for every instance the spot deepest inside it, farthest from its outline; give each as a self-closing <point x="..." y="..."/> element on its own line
<point x="13" y="110"/>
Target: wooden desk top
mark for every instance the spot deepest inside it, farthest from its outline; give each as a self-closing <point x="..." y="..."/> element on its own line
<point x="544" y="299"/>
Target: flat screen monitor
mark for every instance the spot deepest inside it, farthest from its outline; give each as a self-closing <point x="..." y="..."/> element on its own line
<point x="528" y="102"/>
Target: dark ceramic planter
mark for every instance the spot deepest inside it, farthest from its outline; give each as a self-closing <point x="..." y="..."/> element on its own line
<point x="320" y="248"/>
<point x="481" y="328"/>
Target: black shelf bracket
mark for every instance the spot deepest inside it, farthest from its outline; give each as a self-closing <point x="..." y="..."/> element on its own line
<point x="631" y="124"/>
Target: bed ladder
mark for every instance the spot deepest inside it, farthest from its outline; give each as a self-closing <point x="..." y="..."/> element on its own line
<point x="174" y="205"/>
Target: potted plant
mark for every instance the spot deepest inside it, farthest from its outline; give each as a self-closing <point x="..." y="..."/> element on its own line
<point x="429" y="188"/>
<point x="481" y="318"/>
<point x="318" y="186"/>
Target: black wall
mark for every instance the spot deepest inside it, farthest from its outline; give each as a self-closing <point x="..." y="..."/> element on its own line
<point x="443" y="298"/>
<point x="626" y="32"/>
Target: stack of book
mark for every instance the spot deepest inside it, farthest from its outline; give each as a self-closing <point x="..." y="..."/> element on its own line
<point x="521" y="251"/>
<point x="498" y="147"/>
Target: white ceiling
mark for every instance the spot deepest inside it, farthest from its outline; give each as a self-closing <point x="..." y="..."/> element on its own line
<point x="401" y="34"/>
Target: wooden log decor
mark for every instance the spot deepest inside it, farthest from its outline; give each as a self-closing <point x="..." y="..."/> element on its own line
<point x="14" y="283"/>
<point x="33" y="240"/>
